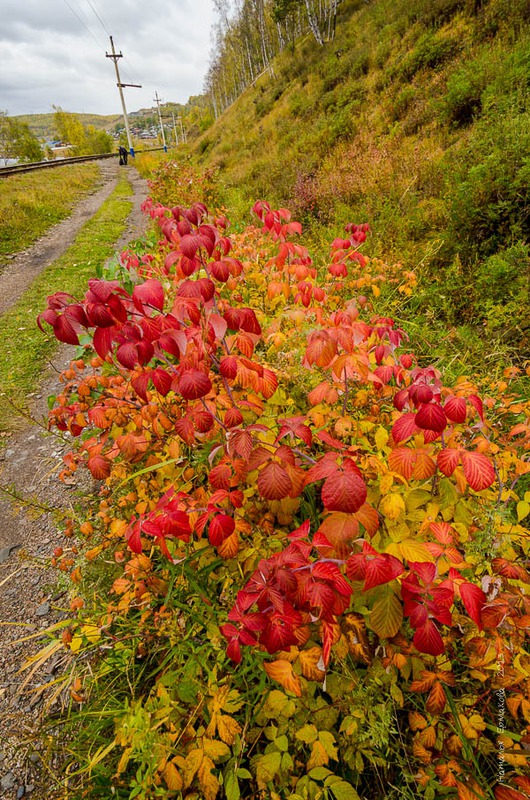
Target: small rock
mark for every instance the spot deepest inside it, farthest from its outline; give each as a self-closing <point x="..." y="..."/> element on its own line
<point x="21" y="791"/>
<point x="34" y="758"/>
<point x="2" y="755"/>
<point x="5" y="552"/>
<point x="9" y="452"/>
<point x="42" y="610"/>
<point x="29" y="787"/>
<point x="7" y="782"/>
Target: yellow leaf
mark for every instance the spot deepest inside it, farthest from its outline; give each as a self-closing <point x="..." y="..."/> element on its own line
<point x="381" y="438"/>
<point x="318" y="757"/>
<point x="172" y="777"/>
<point x="386" y="483"/>
<point x="124" y="760"/>
<point x="282" y="672"/>
<point x="411" y="550"/>
<point x="208" y="782"/>
<point x="215" y="749"/>
<point x="392" y="506"/>
<point x="192" y="764"/>
<point x="387" y="614"/>
<point x="228" y="728"/>
<point x="472" y="726"/>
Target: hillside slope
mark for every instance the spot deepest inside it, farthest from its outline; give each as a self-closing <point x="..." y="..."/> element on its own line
<point x="415" y="119"/>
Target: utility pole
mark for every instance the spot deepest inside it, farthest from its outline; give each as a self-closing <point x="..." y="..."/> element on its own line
<point x="115" y="56"/>
<point x="157" y="100"/>
<point x="182" y="131"/>
<point x="175" y="130"/>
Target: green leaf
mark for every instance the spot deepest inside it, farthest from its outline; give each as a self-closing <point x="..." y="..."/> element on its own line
<point x="231" y="785"/>
<point x="244" y="773"/>
<point x="343" y="791"/>
<point x="523" y="510"/>
<point x="416" y="498"/>
<point x="319" y="773"/>
<point x="265" y="767"/>
<point x="187" y="691"/>
<point x="307" y="734"/>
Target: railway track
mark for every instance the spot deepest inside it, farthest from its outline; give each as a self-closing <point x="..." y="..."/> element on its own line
<point x="18" y="169"/>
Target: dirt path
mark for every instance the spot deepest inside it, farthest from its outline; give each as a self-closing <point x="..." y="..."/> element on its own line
<point x="31" y="499"/>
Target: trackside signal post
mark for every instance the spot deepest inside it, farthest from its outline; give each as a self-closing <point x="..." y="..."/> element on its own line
<point x="115" y="56"/>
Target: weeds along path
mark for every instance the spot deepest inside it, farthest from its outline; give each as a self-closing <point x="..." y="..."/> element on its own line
<point x="33" y="506"/>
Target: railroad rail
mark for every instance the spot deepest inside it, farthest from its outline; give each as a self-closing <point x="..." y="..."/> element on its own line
<point x="18" y="169"/>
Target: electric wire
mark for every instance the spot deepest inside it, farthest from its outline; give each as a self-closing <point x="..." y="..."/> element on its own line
<point x="85" y="26"/>
<point x="103" y="25"/>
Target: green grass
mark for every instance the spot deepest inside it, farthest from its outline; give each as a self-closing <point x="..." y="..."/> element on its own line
<point x="32" y="203"/>
<point x="420" y="128"/>
<point x="26" y="349"/>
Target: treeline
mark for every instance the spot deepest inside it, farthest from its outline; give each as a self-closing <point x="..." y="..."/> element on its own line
<point x="247" y="38"/>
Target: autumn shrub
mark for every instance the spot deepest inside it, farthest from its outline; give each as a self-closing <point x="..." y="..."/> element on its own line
<point x="315" y="544"/>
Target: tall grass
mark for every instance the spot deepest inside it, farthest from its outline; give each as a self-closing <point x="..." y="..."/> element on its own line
<point x="31" y="203"/>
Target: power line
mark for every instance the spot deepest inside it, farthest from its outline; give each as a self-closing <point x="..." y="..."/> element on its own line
<point x="76" y="15"/>
<point x="99" y="17"/>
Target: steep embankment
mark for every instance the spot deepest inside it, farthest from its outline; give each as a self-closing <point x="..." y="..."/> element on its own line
<point x="416" y="119"/>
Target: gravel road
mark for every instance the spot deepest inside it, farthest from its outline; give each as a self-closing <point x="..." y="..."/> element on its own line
<point x="31" y="598"/>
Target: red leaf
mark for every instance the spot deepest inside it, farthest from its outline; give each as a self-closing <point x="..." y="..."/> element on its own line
<point x="220" y="270"/>
<point x="189" y="244"/>
<point x="228" y="367"/>
<point x="473" y="599"/>
<point x="149" y="293"/>
<point x="233" y="418"/>
<point x="220" y="476"/>
<point x="345" y="491"/>
<point x="99" y="466"/>
<point x="194" y="384"/>
<point x="404" y="427"/>
<point x="274" y="482"/>
<point x="455" y="409"/>
<point x="161" y="380"/>
<point x="476" y="402"/>
<point x="127" y="355"/>
<point x="448" y="459"/>
<point x="431" y="417"/>
<point x="221" y="527"/>
<point x="184" y="428"/>
<point x="427" y="639"/>
<point x="478" y="470"/>
<point x="381" y="569"/>
<point x="102" y="341"/>
<point x="64" y="330"/>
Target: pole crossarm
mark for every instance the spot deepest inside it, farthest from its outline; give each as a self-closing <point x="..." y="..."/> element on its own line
<point x="115" y="56"/>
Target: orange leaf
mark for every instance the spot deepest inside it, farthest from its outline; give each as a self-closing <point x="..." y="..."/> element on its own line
<point x="470" y="791"/>
<point x="229" y="547"/>
<point x="478" y="470"/>
<point x="274" y="482"/>
<point x="436" y="700"/>
<point x="505" y="793"/>
<point x="282" y="672"/>
<point x="309" y="662"/>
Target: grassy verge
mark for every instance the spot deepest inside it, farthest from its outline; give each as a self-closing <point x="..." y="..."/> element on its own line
<point x="32" y="203"/>
<point x="26" y="349"/>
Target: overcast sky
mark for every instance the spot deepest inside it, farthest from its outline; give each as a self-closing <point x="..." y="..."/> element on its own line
<point x="52" y="52"/>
